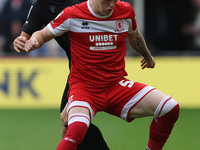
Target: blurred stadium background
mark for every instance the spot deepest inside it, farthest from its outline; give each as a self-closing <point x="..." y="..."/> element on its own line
<point x="31" y="85"/>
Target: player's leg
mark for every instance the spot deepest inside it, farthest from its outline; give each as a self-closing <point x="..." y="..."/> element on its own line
<point x="130" y="100"/>
<point x="93" y="139"/>
<point x="78" y="123"/>
<point x="63" y="109"/>
<point x="165" y="111"/>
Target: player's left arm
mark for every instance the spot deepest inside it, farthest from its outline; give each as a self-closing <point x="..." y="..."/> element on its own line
<point x="138" y="43"/>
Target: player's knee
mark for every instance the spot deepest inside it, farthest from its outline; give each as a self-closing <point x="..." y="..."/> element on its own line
<point x="168" y="106"/>
<point x="64" y="118"/>
<point x="79" y="117"/>
<point x="80" y="107"/>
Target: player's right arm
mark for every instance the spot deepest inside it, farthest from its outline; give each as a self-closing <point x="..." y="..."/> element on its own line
<point x="38" y="39"/>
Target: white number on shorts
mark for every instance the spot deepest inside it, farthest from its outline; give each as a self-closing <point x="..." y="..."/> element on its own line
<point x="129" y="83"/>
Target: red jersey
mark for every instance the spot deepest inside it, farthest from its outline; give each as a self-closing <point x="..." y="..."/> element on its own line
<point x="98" y="43"/>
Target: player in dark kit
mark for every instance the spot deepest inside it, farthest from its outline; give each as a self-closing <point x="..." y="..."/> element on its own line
<point x="41" y="13"/>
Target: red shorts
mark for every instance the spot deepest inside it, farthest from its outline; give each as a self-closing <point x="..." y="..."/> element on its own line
<point x="117" y="99"/>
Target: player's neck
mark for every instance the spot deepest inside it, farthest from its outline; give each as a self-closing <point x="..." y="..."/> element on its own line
<point x="94" y="7"/>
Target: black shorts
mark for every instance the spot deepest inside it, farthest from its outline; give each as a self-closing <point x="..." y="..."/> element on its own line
<point x="64" y="97"/>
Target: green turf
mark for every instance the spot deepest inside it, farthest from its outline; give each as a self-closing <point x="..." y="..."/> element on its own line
<point x="40" y="130"/>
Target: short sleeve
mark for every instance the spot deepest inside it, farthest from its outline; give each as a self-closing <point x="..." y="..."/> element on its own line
<point x="133" y="26"/>
<point x="60" y="24"/>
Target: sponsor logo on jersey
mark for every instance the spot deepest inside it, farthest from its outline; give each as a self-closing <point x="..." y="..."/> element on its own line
<point x="119" y="26"/>
<point x="99" y="38"/>
<point x="69" y="139"/>
<point x="103" y="42"/>
<point x="52" y="8"/>
<point x="85" y="25"/>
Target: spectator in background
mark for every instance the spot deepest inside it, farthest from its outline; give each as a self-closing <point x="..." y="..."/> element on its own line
<point x="191" y="29"/>
<point x="2" y="5"/>
<point x="14" y="15"/>
<point x="2" y="39"/>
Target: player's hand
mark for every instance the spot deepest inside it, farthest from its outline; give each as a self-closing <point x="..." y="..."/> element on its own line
<point x="19" y="44"/>
<point x="148" y="63"/>
<point x="31" y="45"/>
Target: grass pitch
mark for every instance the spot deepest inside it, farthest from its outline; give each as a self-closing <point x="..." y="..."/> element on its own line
<point x="40" y="130"/>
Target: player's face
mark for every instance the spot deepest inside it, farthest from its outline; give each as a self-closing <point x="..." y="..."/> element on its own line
<point x="105" y="7"/>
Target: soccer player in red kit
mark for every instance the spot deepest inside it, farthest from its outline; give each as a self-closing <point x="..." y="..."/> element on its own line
<point x="97" y="31"/>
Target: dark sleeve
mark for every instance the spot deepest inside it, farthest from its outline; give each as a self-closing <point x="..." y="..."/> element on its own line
<point x="34" y="21"/>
